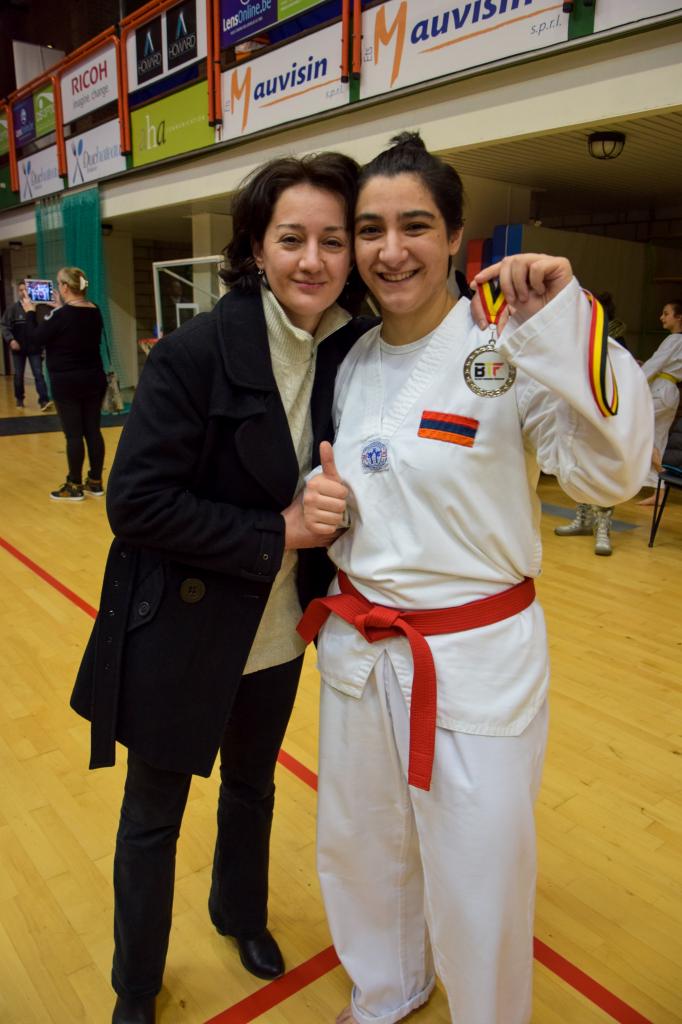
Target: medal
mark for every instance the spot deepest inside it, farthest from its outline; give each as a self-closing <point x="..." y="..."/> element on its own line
<point x="375" y="456"/>
<point x="486" y="371"/>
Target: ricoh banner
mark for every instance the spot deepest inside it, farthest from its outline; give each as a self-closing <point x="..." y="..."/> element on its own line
<point x="405" y="42"/>
<point x="89" y="85"/>
<point x="39" y="175"/>
<point x="95" y="154"/>
<point x="610" y="13"/>
<point x="290" y="83"/>
<point x="170" y="41"/>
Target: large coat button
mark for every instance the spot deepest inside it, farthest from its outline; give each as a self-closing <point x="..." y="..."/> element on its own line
<point x="192" y="590"/>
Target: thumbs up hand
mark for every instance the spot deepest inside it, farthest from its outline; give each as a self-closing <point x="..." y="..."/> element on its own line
<point x="324" y="498"/>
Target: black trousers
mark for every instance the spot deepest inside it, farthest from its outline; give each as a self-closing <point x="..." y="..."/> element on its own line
<point x="80" y="418"/>
<point x="153" y="804"/>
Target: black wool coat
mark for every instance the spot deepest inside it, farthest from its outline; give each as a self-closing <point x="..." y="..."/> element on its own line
<point x="204" y="467"/>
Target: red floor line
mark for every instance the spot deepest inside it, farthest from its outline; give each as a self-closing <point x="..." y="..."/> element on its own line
<point x="298" y="769"/>
<point x="587" y="986"/>
<point x="293" y="981"/>
<point x="276" y="992"/>
<point x="44" y="575"/>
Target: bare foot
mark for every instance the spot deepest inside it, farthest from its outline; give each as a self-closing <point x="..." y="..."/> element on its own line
<point x="651" y="500"/>
<point x="346" y="1017"/>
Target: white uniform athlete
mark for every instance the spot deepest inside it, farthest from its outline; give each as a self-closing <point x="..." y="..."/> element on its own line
<point x="440" y="486"/>
<point x="663" y="370"/>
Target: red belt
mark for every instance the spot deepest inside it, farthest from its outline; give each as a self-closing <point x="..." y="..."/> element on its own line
<point x="378" y="622"/>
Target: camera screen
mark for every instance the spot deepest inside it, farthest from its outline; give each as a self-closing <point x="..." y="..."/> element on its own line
<point x="39" y="291"/>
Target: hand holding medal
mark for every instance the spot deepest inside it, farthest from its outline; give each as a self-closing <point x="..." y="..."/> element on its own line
<point x="527" y="282"/>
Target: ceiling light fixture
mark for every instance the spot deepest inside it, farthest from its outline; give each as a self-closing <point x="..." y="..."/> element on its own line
<point x="605" y="145"/>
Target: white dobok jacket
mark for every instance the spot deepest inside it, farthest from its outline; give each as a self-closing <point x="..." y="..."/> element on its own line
<point x="447" y="523"/>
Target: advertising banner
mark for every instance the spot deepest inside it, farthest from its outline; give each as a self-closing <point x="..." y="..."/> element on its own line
<point x="39" y="175"/>
<point x="168" y="42"/>
<point x="284" y="86"/>
<point x="8" y="198"/>
<point x="43" y="106"/>
<point x="170" y="126"/>
<point x="610" y="13"/>
<point x="405" y="42"/>
<point x="89" y="85"/>
<point x="4" y="135"/>
<point x="95" y="154"/>
<point x="24" y="121"/>
<point x="240" y="19"/>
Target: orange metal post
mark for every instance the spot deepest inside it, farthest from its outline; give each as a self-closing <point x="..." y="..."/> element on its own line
<point x="345" y="37"/>
<point x="357" y="38"/>
<point x="59" y="124"/>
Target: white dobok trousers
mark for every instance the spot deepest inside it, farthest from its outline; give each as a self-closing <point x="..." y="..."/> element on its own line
<point x="412" y="878"/>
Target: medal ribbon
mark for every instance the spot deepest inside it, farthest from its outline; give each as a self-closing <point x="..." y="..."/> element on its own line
<point x="492" y="300"/>
<point x="599" y="365"/>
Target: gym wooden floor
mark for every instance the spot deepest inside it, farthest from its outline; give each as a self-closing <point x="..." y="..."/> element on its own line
<point x="609" y="910"/>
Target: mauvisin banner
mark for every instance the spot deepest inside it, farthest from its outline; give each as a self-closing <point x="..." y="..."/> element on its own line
<point x="405" y="42"/>
<point x="149" y="51"/>
<point x="181" y="34"/>
<point x="284" y="85"/>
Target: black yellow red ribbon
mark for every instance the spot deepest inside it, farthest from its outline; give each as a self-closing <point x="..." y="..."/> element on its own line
<point x="492" y="300"/>
<point x="599" y="365"/>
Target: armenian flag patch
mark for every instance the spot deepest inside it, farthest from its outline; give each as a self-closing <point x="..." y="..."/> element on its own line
<point x="444" y="426"/>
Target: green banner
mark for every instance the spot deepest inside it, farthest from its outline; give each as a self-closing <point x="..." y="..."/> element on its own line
<point x="173" y="125"/>
<point x="4" y="135"/>
<point x="43" y="105"/>
<point x="7" y="196"/>
<point x="289" y="8"/>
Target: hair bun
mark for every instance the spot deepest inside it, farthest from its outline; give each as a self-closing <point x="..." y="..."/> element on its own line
<point x="83" y="283"/>
<point x="412" y="139"/>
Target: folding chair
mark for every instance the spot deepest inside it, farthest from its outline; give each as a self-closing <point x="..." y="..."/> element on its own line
<point x="670" y="475"/>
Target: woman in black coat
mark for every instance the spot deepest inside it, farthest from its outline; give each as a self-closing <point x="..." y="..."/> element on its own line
<point x="194" y="651"/>
<point x="71" y="336"/>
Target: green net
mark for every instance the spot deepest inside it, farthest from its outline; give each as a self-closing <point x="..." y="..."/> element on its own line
<point x="69" y="234"/>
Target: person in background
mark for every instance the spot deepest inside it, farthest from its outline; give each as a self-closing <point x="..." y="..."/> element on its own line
<point x="22" y="348"/>
<point x="663" y="370"/>
<point x="195" y="651"/>
<point x="71" y="336"/>
<point x="433" y="650"/>
<point x="593" y="520"/>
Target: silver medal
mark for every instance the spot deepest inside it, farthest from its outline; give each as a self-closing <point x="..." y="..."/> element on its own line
<point x="486" y="371"/>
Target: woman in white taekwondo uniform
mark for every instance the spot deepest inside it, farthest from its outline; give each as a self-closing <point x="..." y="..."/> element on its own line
<point x="431" y="751"/>
<point x="663" y="370"/>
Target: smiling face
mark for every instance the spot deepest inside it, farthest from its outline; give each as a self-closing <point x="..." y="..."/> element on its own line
<point x="670" y="320"/>
<point x="306" y="253"/>
<point x="402" y="249"/>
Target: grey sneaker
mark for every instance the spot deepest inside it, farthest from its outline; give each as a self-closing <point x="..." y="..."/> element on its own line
<point x="602" y="531"/>
<point x="581" y="525"/>
<point x="68" y="492"/>
<point x="93" y="487"/>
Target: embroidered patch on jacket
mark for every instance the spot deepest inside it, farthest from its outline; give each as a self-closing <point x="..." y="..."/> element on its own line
<point x="444" y="426"/>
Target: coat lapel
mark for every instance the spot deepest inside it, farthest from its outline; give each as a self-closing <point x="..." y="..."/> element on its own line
<point x="263" y="439"/>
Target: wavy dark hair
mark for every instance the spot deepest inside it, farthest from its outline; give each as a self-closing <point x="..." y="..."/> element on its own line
<point x="407" y="154"/>
<point x="254" y="202"/>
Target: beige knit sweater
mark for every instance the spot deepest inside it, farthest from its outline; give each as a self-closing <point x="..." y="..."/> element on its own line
<point x="293" y="352"/>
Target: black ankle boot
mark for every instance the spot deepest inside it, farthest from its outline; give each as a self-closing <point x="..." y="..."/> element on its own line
<point x="261" y="955"/>
<point x="134" y="1011"/>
